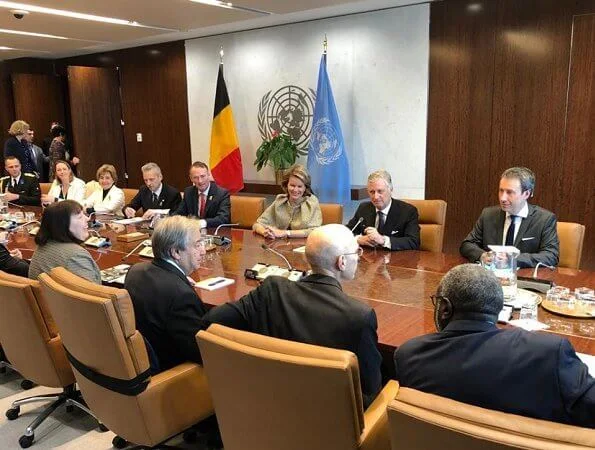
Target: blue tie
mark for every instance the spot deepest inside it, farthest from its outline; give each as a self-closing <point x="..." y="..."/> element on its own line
<point x="510" y="232"/>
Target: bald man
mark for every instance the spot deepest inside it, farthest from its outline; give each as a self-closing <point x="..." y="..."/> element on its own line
<point x="314" y="310"/>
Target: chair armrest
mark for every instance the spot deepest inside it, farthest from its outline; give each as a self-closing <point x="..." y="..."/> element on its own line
<point x="375" y="435"/>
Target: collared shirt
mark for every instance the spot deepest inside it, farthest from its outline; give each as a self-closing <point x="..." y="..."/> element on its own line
<point x="15" y="181"/>
<point x="175" y="264"/>
<point x="157" y="192"/>
<point x="203" y="222"/>
<point x="385" y="213"/>
<point x="522" y="214"/>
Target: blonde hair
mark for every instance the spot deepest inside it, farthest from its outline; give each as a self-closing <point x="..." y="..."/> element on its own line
<point x="56" y="173"/>
<point x="107" y="168"/>
<point x="18" y="127"/>
<point x="298" y="171"/>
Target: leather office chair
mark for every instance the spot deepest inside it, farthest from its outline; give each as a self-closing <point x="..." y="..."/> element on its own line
<point x="245" y="210"/>
<point x="5" y="364"/>
<point x="129" y="195"/>
<point x="432" y="220"/>
<point x="32" y="343"/>
<point x="288" y="395"/>
<point x="331" y="213"/>
<point x="419" y="421"/>
<point x="91" y="187"/>
<point x="571" y="236"/>
<point x="138" y="407"/>
<point x="45" y="187"/>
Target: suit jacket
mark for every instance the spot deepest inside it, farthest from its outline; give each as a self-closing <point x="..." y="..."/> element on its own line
<point x="169" y="198"/>
<point x="516" y="371"/>
<point x="315" y="311"/>
<point x="167" y="309"/>
<point x="537" y="238"/>
<point x="28" y="189"/>
<point x="401" y="224"/>
<point x="11" y="264"/>
<point x="18" y="149"/>
<point x="41" y="162"/>
<point x="217" y="209"/>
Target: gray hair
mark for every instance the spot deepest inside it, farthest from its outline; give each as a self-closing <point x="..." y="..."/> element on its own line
<point x="151" y="166"/>
<point x="525" y="176"/>
<point x="173" y="233"/>
<point x="471" y="288"/>
<point x="381" y="175"/>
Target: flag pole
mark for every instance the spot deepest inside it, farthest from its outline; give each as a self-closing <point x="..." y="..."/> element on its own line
<point x="221" y="53"/>
<point x="324" y="45"/>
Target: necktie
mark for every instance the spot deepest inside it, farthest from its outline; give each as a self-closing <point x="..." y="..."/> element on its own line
<point x="154" y="199"/>
<point x="380" y="220"/>
<point x="202" y="203"/>
<point x="510" y="232"/>
<point x="14" y="182"/>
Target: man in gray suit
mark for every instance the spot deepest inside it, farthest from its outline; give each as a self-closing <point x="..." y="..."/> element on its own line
<point x="39" y="159"/>
<point x="515" y="222"/>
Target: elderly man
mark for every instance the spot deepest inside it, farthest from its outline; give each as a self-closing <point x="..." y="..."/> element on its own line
<point x="204" y="199"/>
<point x="19" y="188"/>
<point x="512" y="370"/>
<point x="384" y="221"/>
<point x="529" y="228"/>
<point x="154" y="195"/>
<point x="168" y="311"/>
<point x="314" y="310"/>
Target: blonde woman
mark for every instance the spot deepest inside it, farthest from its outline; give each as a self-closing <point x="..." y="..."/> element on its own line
<point x="110" y="199"/>
<point x="65" y="185"/>
<point x="293" y="214"/>
<point x="16" y="146"/>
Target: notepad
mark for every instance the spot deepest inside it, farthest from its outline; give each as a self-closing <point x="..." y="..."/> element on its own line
<point x="301" y="249"/>
<point x="130" y="221"/>
<point x="210" y="284"/>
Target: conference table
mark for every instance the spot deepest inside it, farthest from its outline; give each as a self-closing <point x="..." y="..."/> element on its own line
<point x="397" y="285"/>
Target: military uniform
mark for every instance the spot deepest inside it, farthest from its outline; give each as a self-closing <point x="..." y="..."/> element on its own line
<point x="27" y="188"/>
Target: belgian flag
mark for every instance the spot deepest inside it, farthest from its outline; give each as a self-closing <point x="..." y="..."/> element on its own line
<point x="225" y="158"/>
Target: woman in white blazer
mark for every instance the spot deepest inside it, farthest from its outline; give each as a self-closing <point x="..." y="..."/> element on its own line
<point x="65" y="185"/>
<point x="110" y="199"/>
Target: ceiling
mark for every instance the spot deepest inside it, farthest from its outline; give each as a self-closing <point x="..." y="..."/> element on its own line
<point x="162" y="20"/>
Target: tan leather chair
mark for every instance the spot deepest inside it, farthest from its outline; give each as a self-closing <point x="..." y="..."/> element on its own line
<point x="91" y="187"/>
<point x="129" y="194"/>
<point x="98" y="329"/>
<point x="571" y="236"/>
<point x="245" y="210"/>
<point x="331" y="213"/>
<point x="273" y="394"/>
<point x="31" y="342"/>
<point x="45" y="187"/>
<point x="432" y="220"/>
<point x="420" y="421"/>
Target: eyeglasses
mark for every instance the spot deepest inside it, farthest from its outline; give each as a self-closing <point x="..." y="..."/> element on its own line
<point x="359" y="252"/>
<point x="437" y="298"/>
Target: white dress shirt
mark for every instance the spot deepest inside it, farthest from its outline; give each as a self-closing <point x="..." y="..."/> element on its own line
<point x="522" y="214"/>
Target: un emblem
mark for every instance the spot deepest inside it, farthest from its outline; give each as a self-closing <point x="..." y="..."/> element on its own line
<point x="289" y="110"/>
<point x="325" y="142"/>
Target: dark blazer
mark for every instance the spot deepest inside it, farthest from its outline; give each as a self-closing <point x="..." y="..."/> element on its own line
<point x="315" y="311"/>
<point x="169" y="198"/>
<point x="516" y="371"/>
<point x="537" y="238"/>
<point x="28" y="189"/>
<point x="167" y="309"/>
<point x="217" y="210"/>
<point x="13" y="265"/>
<point x="18" y="149"/>
<point x="41" y="162"/>
<point x="401" y="224"/>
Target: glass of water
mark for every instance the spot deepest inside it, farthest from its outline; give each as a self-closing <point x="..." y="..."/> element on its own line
<point x="529" y="309"/>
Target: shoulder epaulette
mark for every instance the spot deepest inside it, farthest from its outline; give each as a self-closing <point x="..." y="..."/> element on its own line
<point x="30" y="175"/>
<point x="5" y="178"/>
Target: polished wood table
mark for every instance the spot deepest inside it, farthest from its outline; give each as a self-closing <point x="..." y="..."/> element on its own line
<point x="397" y="285"/>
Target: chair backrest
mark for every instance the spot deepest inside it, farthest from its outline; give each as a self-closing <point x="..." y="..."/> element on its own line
<point x="91" y="187"/>
<point x="331" y="213"/>
<point x="432" y="220"/>
<point x="245" y="210"/>
<point x="29" y="334"/>
<point x="284" y="395"/>
<point x="129" y="194"/>
<point x="418" y="421"/>
<point x="45" y="187"/>
<point x="571" y="236"/>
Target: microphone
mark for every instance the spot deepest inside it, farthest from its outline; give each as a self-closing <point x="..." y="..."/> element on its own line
<point x="15" y="205"/>
<point x="224" y="225"/>
<point x="357" y="224"/>
<point x="145" y="243"/>
<point x="541" y="264"/>
<point x="289" y="266"/>
<point x="25" y="224"/>
<point x="222" y="240"/>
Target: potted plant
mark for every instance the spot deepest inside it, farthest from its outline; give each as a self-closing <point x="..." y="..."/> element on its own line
<point x="279" y="152"/>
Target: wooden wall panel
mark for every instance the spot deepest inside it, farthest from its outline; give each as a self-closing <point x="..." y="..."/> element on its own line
<point x="6" y="102"/>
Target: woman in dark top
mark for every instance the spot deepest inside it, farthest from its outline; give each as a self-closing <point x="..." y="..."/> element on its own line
<point x="14" y="146"/>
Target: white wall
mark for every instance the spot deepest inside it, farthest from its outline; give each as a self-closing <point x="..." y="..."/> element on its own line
<point x="378" y="67"/>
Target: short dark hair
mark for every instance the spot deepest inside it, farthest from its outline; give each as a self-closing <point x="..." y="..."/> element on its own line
<point x="6" y="158"/>
<point x="58" y="130"/>
<point x="55" y="223"/>
<point x="199" y="165"/>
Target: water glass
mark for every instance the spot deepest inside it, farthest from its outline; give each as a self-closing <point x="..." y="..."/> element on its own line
<point x="18" y="216"/>
<point x="29" y="216"/>
<point x="529" y="309"/>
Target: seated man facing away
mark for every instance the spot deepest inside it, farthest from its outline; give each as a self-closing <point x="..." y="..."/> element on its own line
<point x="472" y="361"/>
<point x="314" y="310"/>
<point x="168" y="311"/>
<point x="154" y="195"/>
<point x="515" y="222"/>
<point x="11" y="261"/>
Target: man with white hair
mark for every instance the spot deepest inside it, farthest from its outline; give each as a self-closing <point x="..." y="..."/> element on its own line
<point x="154" y="195"/>
<point x="473" y="361"/>
<point x="314" y="310"/>
<point x="384" y="221"/>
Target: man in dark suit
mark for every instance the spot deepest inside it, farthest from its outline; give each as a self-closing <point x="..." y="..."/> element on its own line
<point x="385" y="222"/>
<point x="167" y="309"/>
<point x="19" y="188"/>
<point x="512" y="370"/>
<point x="11" y="261"/>
<point x="39" y="159"/>
<point x="529" y="228"/>
<point x="154" y="195"/>
<point x="314" y="310"/>
<point x="204" y="199"/>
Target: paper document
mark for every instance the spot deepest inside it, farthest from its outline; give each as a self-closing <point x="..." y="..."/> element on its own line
<point x="301" y="249"/>
<point x="589" y="360"/>
<point x="130" y="221"/>
<point x="210" y="284"/>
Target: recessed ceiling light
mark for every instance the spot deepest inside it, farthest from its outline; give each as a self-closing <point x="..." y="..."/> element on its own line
<point x="22" y="50"/>
<point x="230" y="5"/>
<point x="76" y="15"/>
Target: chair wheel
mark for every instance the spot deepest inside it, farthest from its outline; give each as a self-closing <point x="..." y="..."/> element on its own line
<point x="103" y="428"/>
<point x="26" y="441"/>
<point x="118" y="442"/>
<point x="69" y="408"/>
<point x="26" y="384"/>
<point x="13" y="413"/>
<point x="190" y="436"/>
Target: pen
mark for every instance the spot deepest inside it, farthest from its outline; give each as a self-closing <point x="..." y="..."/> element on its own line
<point x="220" y="280"/>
